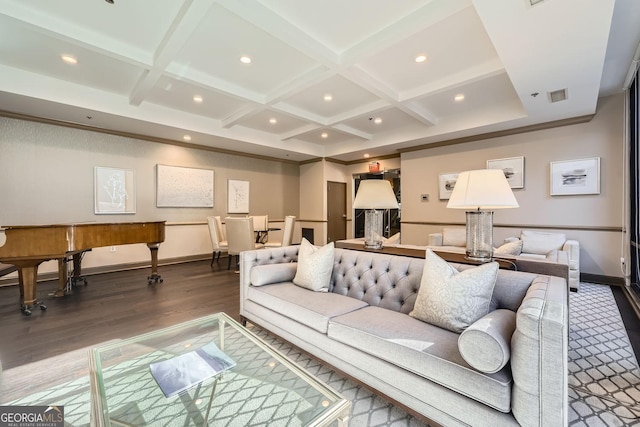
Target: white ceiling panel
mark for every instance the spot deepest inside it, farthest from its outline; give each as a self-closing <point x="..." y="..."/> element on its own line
<point x="216" y="46"/>
<point x="39" y="53"/>
<point x="345" y="96"/>
<point x="262" y="121"/>
<point x="141" y="62"/>
<point x="457" y="43"/>
<point x="178" y="95"/>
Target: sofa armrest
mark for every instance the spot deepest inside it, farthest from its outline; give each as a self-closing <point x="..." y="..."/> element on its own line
<point x="250" y="259"/>
<point x="572" y="248"/>
<point x="539" y="352"/>
<point x="435" y="239"/>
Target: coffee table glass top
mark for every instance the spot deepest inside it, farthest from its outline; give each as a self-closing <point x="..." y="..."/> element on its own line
<point x="263" y="388"/>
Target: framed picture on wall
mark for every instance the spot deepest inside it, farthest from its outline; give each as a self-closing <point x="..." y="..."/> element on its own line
<point x="513" y="168"/>
<point x="571" y="177"/>
<point x="237" y="196"/>
<point x="446" y="182"/>
<point x="114" y="191"/>
<point x="184" y="187"/>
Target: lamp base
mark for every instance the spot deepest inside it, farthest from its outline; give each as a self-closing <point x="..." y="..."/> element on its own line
<point x="373" y="229"/>
<point x="480" y="259"/>
<point x="479" y="236"/>
<point x="373" y="245"/>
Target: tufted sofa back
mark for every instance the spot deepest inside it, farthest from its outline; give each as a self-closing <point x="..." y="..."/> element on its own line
<point x="388" y="281"/>
<point x="385" y="281"/>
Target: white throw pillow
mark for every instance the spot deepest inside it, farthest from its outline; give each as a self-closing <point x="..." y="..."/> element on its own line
<point x="510" y="248"/>
<point x="486" y="344"/>
<point x="451" y="299"/>
<point x="273" y="273"/>
<point x="315" y="266"/>
<point x="454" y="237"/>
<point x="537" y="242"/>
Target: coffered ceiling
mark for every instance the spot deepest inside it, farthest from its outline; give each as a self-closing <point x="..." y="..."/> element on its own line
<point x="330" y="78"/>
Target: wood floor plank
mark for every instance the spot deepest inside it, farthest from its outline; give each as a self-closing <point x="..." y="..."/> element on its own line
<point x="113" y="305"/>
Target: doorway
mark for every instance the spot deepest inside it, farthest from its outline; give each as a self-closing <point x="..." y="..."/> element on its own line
<point x="391" y="218"/>
<point x="336" y="211"/>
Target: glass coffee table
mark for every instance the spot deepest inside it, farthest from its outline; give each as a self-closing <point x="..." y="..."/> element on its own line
<point x="263" y="387"/>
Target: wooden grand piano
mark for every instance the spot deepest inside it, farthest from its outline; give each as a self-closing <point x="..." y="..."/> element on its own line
<point x="27" y="247"/>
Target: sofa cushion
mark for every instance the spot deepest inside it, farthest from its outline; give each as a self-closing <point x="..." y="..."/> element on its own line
<point x="486" y="344"/>
<point x="424" y="349"/>
<point x="313" y="309"/>
<point x="314" y="266"/>
<point x="454" y="237"/>
<point x="509" y="248"/>
<point x="538" y="242"/>
<point x="450" y="299"/>
<point x="273" y="273"/>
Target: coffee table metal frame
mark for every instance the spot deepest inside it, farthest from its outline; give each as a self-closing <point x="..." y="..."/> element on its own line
<point x="337" y="407"/>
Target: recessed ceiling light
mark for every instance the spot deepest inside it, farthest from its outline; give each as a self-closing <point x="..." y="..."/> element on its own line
<point x="245" y="59"/>
<point x="273" y="120"/>
<point x="324" y="135"/>
<point x="197" y="98"/>
<point x="328" y="97"/>
<point x="459" y="97"/>
<point x="187" y="137"/>
<point x="109" y="1"/>
<point x="69" y="59"/>
<point x="377" y="120"/>
<point x="421" y="58"/>
<point x="366" y="156"/>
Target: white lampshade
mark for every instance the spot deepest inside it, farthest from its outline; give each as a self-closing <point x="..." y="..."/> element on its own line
<point x="482" y="189"/>
<point x="375" y="194"/>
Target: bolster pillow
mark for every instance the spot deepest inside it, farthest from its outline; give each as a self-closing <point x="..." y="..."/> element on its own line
<point x="273" y="273"/>
<point x="486" y="344"/>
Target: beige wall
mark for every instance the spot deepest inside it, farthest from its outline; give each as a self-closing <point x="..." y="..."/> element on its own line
<point x="601" y="137"/>
<point x="46" y="176"/>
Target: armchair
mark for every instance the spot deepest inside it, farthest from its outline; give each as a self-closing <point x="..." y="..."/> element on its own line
<point x="538" y="244"/>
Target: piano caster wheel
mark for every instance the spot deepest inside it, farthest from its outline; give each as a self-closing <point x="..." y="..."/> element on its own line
<point x="154" y="279"/>
<point x="26" y="310"/>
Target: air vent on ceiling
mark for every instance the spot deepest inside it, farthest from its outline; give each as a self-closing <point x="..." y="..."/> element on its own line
<point x="558" y="95"/>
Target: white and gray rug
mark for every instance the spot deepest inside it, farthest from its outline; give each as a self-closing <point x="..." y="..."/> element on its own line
<point x="604" y="379"/>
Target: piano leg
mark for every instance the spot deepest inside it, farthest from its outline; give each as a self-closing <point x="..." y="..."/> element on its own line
<point x="27" y="275"/>
<point x="155" y="277"/>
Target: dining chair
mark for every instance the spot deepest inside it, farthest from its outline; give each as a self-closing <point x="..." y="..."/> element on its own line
<point x="287" y="233"/>
<point x="260" y="222"/>
<point x="240" y="237"/>
<point x="218" y="244"/>
<point x="221" y="232"/>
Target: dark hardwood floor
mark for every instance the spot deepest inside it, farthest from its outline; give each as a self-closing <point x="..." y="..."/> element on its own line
<point x="113" y="305"/>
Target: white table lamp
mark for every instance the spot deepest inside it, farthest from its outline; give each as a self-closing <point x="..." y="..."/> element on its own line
<point x="480" y="192"/>
<point x="374" y="195"/>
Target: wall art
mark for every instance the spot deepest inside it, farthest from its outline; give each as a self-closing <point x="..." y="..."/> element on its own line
<point x="114" y="191"/>
<point x="184" y="187"/>
<point x="513" y="168"/>
<point x="238" y="196"/>
<point x="446" y="182"/>
<point x="571" y="177"/>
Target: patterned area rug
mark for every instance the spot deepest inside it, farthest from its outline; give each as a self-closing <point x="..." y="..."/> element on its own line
<point x="604" y="380"/>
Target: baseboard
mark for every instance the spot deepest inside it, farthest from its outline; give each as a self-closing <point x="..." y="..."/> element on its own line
<point x="603" y="280"/>
<point x="12" y="281"/>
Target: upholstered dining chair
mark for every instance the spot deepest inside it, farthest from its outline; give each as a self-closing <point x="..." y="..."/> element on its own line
<point x="260" y="222"/>
<point x="287" y="233"/>
<point x="218" y="244"/>
<point x="240" y="237"/>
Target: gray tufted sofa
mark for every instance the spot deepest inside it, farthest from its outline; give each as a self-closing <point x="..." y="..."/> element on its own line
<point x="362" y="328"/>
